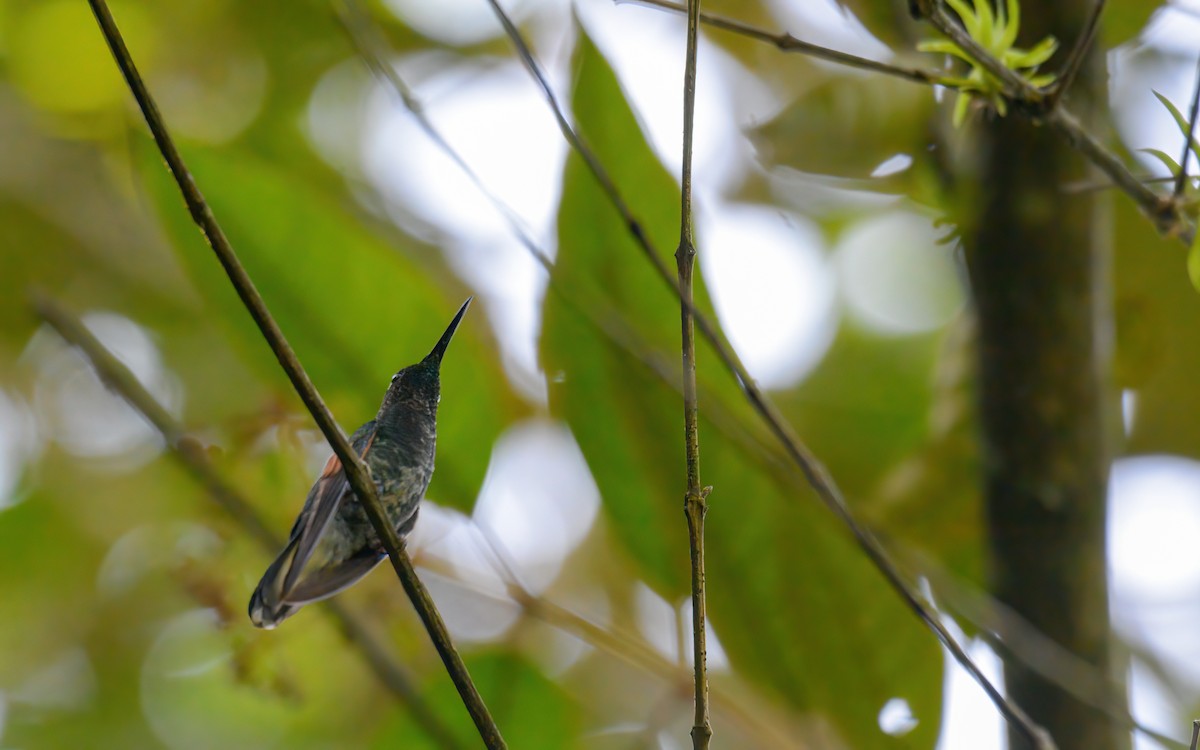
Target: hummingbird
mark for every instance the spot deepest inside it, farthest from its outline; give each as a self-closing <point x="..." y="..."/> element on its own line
<point x="332" y="544"/>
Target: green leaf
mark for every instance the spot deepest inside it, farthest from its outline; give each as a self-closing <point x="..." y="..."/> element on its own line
<point x="1181" y="122"/>
<point x="986" y="30"/>
<point x="796" y="605"/>
<point x="531" y="711"/>
<point x="1033" y="57"/>
<point x="1125" y="19"/>
<point x="944" y="46"/>
<point x="858" y="122"/>
<point x="354" y="308"/>
<point x="969" y="18"/>
<point x="1194" y="262"/>
<point x="1171" y="165"/>
<point x="1010" y="20"/>
<point x="597" y="254"/>
<point x="1158" y="316"/>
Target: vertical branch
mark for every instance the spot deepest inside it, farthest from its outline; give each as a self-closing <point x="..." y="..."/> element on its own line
<point x="356" y="471"/>
<point x="1188" y="139"/>
<point x="695" y="504"/>
<point x="1040" y="284"/>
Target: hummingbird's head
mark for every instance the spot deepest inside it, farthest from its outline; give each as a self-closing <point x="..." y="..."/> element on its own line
<point x="420" y="384"/>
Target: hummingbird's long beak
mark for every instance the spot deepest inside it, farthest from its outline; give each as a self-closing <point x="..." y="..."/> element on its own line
<point x="444" y="341"/>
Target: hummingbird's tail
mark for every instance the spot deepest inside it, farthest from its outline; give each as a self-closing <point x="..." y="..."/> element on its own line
<point x="266" y="615"/>
<point x="271" y="605"/>
<point x="267" y="606"/>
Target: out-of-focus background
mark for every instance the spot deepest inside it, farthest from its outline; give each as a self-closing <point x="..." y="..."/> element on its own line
<point x="823" y="253"/>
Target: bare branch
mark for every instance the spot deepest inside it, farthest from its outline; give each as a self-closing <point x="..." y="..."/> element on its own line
<point x="785" y="42"/>
<point x="1078" y="54"/>
<point x="355" y="469"/>
<point x="1188" y="139"/>
<point x="695" y="503"/>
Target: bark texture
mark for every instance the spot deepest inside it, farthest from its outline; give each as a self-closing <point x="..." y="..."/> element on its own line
<point x="1038" y="271"/>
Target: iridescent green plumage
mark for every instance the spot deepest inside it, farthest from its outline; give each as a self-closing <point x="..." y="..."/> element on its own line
<point x="332" y="544"/>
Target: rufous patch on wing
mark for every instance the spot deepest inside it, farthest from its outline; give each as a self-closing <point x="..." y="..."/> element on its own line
<point x="332" y="466"/>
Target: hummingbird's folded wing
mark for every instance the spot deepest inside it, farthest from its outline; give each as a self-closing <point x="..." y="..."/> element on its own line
<point x="323" y="583"/>
<point x="319" y="508"/>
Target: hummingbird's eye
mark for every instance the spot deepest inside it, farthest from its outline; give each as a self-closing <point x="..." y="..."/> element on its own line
<point x="395" y="377"/>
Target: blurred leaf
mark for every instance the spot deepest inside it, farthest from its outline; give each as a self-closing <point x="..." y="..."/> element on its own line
<point x="796" y="605"/>
<point x="847" y="126"/>
<point x="1122" y="20"/>
<point x="869" y="396"/>
<point x="531" y="711"/>
<point x="354" y="309"/>
<point x="1158" y="315"/>
<point x="60" y="62"/>
<point x="1185" y="128"/>
<point x="1171" y="165"/>
<point x="930" y="497"/>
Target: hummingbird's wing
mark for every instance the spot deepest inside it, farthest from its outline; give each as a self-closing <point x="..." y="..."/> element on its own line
<point x="325" y="582"/>
<point x="333" y="578"/>
<point x="272" y="602"/>
<point x="319" y="508"/>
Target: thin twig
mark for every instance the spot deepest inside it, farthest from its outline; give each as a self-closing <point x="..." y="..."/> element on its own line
<point x="695" y="502"/>
<point x="1195" y="734"/>
<point x="814" y="471"/>
<point x="188" y="451"/>
<point x="1078" y="54"/>
<point x="1166" y="214"/>
<point x="370" y="46"/>
<point x="785" y="42"/>
<point x="1008" y="632"/>
<point x="1088" y="186"/>
<point x="355" y="469"/>
<point x="1188" y="139"/>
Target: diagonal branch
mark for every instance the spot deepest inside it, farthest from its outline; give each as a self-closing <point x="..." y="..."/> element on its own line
<point x="1078" y="54"/>
<point x="814" y="471"/>
<point x="785" y="42"/>
<point x="695" y="504"/>
<point x="1008" y="633"/>
<point x="117" y="377"/>
<point x="355" y="469"/>
<point x="1166" y="215"/>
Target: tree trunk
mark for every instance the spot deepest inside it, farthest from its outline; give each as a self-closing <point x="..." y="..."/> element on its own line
<point x="1038" y="271"/>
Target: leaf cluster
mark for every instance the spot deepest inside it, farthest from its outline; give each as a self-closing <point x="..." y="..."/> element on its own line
<point x="996" y="31"/>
